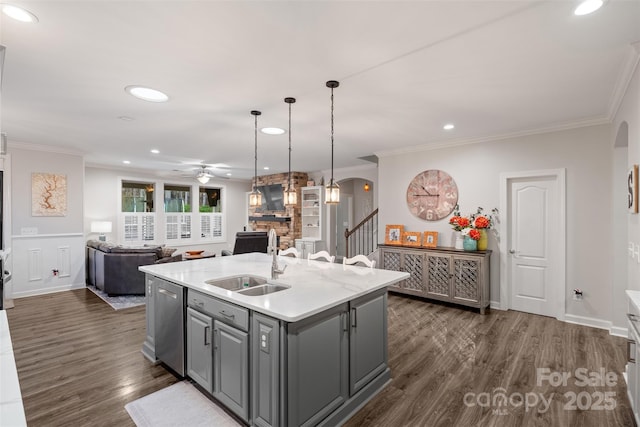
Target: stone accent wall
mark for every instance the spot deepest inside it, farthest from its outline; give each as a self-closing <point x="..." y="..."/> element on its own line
<point x="287" y="231"/>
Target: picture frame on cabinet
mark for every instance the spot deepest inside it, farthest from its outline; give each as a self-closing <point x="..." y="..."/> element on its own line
<point x="412" y="238"/>
<point x="430" y="239"/>
<point x="393" y="234"/>
<point x="632" y="189"/>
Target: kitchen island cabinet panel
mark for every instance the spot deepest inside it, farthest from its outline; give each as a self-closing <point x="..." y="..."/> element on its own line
<point x="265" y="362"/>
<point x="199" y="348"/>
<point x="231" y="367"/>
<point x="368" y="340"/>
<point x="318" y="360"/>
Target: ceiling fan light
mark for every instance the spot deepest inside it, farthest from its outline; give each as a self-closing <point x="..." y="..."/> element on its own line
<point x="203" y="178"/>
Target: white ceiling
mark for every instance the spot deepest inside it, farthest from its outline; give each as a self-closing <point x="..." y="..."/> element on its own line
<point x="405" y="69"/>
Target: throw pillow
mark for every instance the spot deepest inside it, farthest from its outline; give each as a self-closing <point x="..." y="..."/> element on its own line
<point x="167" y="252"/>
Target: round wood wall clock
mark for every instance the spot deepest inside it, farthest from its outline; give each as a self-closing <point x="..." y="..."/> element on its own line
<point x="432" y="195"/>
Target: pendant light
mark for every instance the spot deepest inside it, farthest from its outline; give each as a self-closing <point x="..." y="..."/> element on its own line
<point x="332" y="190"/>
<point x="255" y="197"/>
<point x="290" y="196"/>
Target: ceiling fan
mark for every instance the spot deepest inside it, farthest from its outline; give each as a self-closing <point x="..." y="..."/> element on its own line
<point x="203" y="173"/>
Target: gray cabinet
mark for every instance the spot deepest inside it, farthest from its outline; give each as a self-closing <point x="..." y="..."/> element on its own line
<point x="317" y="366"/>
<point x="231" y="368"/>
<point x="368" y="339"/>
<point x="444" y="274"/>
<point x="200" y="349"/>
<point x="265" y="365"/>
<point x="149" y="345"/>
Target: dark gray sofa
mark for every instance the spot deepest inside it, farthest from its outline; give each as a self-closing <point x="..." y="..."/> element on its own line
<point x="114" y="269"/>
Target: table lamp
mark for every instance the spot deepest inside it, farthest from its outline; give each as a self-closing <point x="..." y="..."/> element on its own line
<point x="101" y="227"/>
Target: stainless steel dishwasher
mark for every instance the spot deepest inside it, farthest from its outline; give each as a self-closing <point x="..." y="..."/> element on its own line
<point x="169" y="325"/>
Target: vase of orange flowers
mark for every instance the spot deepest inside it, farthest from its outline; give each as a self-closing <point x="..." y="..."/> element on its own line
<point x="459" y="223"/>
<point x="482" y="223"/>
<point x="470" y="239"/>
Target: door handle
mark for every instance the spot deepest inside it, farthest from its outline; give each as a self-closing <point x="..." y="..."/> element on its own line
<point x="354" y="321"/>
<point x="631" y="354"/>
<point x="206" y="335"/>
<point x="167" y="293"/>
<point x="512" y="251"/>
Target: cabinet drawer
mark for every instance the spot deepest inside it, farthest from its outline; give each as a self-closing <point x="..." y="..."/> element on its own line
<point x="227" y="312"/>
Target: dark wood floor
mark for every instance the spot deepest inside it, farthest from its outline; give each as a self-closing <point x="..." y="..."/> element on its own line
<point x="79" y="363"/>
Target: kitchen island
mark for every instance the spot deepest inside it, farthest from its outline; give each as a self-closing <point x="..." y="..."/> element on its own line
<point x="311" y="352"/>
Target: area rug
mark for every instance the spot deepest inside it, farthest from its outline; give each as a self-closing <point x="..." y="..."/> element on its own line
<point x="178" y="405"/>
<point x="119" y="302"/>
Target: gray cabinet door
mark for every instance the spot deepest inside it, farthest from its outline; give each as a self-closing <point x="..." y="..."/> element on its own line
<point x="231" y="368"/>
<point x="149" y="346"/>
<point x="368" y="339"/>
<point x="265" y="375"/>
<point x="467" y="277"/>
<point x="200" y="349"/>
<point x="318" y="371"/>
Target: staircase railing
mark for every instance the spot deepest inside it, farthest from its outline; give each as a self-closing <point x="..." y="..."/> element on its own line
<point x="363" y="238"/>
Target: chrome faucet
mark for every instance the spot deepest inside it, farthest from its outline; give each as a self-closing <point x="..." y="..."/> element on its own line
<point x="272" y="246"/>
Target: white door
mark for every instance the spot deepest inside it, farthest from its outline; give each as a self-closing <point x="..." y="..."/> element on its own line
<point x="535" y="239"/>
<point x="344" y="220"/>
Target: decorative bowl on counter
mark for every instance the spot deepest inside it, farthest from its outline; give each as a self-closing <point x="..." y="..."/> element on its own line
<point x="193" y="252"/>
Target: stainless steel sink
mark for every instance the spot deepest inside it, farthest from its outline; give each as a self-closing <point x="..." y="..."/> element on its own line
<point x="269" y="288"/>
<point x="237" y="283"/>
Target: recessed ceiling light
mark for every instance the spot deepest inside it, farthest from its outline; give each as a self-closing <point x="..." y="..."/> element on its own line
<point x="147" y="94"/>
<point x="266" y="168"/>
<point x="272" y="131"/>
<point x="154" y="151"/>
<point x="228" y="173"/>
<point x="19" y="14"/>
<point x="448" y="126"/>
<point x="126" y="118"/>
<point x="587" y="7"/>
<point x="126" y="162"/>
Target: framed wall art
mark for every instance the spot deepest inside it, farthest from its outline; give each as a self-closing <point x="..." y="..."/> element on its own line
<point x="632" y="189"/>
<point x="411" y="238"/>
<point x="430" y="239"/>
<point x="393" y="234"/>
<point x="48" y="194"/>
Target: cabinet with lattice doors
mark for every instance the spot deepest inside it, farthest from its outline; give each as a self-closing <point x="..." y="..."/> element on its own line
<point x="444" y="274"/>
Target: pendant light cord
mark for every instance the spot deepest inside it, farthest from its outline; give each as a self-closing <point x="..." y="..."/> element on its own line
<point x="331" y="182"/>
<point x="289" y="185"/>
<point x="255" y="154"/>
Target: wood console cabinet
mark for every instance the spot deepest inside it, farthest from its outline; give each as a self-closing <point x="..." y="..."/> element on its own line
<point x="444" y="274"/>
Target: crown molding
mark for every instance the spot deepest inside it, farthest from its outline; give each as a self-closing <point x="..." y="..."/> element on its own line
<point x="437" y="145"/>
<point x="46" y="148"/>
<point x="624" y="80"/>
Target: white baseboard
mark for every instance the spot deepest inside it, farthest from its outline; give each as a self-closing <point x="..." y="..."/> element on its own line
<point x="44" y="291"/>
<point x="588" y="321"/>
<point x="495" y="305"/>
<point x="618" y="331"/>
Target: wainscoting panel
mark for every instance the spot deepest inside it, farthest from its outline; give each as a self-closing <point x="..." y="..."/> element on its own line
<point x="34" y="263"/>
<point x="64" y="261"/>
<point x="36" y="258"/>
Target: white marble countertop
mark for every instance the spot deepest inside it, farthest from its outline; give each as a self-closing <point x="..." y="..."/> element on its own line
<point x="314" y="285"/>
<point x="11" y="409"/>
